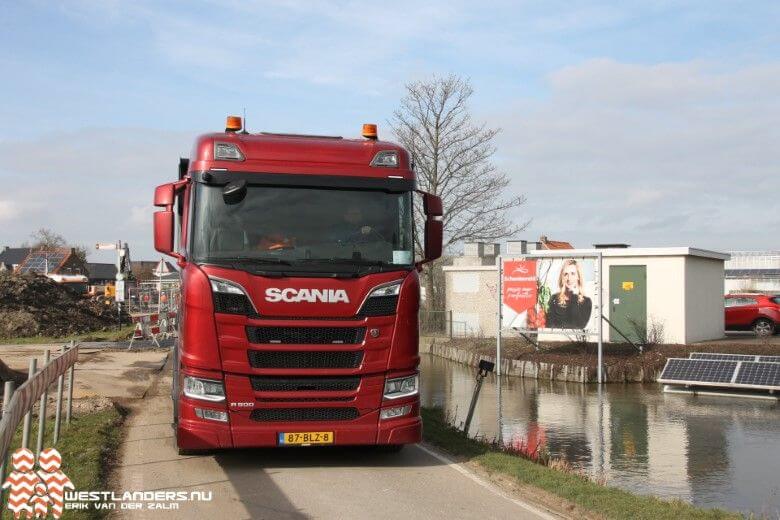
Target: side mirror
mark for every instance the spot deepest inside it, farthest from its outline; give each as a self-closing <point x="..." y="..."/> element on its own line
<point x="164" y="196"/>
<point x="434" y="226"/>
<point x="163" y="231"/>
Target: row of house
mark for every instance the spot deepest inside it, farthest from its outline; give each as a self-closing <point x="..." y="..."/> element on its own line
<point x="66" y="261"/>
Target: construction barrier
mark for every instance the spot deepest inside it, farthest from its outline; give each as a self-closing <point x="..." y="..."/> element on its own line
<point x="154" y="326"/>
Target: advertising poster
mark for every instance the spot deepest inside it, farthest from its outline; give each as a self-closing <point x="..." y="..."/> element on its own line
<point x="549" y="294"/>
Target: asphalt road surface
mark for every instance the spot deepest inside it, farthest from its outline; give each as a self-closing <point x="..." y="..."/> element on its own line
<point x="301" y="482"/>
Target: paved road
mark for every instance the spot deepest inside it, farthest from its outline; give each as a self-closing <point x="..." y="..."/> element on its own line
<point x="303" y="483"/>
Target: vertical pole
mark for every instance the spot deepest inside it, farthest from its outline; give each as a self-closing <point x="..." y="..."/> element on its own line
<point x="28" y="416"/>
<point x="42" y="408"/>
<point x="473" y="405"/>
<point x="69" y="408"/>
<point x="449" y="315"/>
<point x="8" y="391"/>
<point x="601" y="322"/>
<point x="498" y="316"/>
<point x="58" y="413"/>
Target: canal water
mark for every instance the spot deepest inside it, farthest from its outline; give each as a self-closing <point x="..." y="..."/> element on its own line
<point x="710" y="451"/>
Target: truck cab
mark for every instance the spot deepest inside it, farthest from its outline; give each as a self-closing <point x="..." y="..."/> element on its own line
<point x="300" y="289"/>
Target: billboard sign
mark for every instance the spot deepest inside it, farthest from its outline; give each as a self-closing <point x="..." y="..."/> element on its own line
<point x="549" y="294"/>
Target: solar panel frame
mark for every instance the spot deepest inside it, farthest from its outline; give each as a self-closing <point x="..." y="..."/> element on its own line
<point x="39" y="261"/>
<point x="698" y="371"/>
<point x="759" y="375"/>
<point x="711" y="356"/>
<point x="723" y="374"/>
<point x="769" y="359"/>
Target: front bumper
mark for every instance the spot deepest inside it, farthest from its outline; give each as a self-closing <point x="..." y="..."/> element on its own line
<point x="194" y="433"/>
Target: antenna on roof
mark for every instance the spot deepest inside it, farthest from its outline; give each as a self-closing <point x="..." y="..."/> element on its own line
<point x="244" y="130"/>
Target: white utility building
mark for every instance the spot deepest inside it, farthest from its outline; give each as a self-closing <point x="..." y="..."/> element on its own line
<point x="674" y="291"/>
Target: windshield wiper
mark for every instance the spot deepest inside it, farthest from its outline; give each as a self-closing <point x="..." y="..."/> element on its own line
<point x="343" y="261"/>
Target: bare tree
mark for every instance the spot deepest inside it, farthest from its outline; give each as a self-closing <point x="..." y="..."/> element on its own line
<point x="47" y="239"/>
<point x="453" y="159"/>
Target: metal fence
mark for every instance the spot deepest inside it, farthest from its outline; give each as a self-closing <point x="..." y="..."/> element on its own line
<point x="18" y="403"/>
<point x="154" y="297"/>
<point x="440" y="323"/>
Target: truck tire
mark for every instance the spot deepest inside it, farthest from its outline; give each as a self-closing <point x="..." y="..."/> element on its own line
<point x="764" y="327"/>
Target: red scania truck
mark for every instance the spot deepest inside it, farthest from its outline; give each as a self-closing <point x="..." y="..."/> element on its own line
<point x="300" y="290"/>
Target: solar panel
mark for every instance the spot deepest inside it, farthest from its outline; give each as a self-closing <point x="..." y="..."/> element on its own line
<point x="42" y="261"/>
<point x="697" y="370"/>
<point x="759" y="374"/>
<point x="723" y="357"/>
<point x="769" y="359"/>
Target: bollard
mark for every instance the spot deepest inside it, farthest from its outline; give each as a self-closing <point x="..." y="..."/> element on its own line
<point x="69" y="408"/>
<point x="58" y="412"/>
<point x="42" y="409"/>
<point x="8" y="392"/>
<point x="485" y="367"/>
<point x="28" y="416"/>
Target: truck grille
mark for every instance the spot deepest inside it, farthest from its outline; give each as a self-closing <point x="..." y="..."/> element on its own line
<point x="303" y="414"/>
<point x="306" y="335"/>
<point x="283" y="359"/>
<point x="233" y="304"/>
<point x="379" y="306"/>
<point x="304" y="384"/>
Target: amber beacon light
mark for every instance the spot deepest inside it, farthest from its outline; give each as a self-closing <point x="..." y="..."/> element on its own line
<point x="369" y="131"/>
<point x="233" y="124"/>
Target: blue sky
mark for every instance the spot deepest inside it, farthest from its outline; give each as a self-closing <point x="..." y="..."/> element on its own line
<point x="653" y="123"/>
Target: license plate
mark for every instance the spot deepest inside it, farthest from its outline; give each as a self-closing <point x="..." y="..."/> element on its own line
<point x="305" y="438"/>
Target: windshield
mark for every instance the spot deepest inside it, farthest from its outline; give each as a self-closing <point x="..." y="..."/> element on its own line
<point x="304" y="229"/>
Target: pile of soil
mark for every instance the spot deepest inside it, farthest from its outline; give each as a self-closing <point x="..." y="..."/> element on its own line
<point x="32" y="305"/>
<point x="619" y="356"/>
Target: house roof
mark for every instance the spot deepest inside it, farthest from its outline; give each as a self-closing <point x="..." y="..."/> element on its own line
<point x="13" y="255"/>
<point x="44" y="260"/>
<point x="99" y="271"/>
<point x="554" y="244"/>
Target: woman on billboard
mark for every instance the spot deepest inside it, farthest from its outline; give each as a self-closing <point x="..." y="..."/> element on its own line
<point x="570" y="308"/>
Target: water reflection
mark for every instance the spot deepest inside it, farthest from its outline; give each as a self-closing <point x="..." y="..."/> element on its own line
<point x="713" y="452"/>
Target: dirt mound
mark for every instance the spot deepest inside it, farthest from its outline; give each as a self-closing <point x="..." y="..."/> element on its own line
<point x="33" y="305"/>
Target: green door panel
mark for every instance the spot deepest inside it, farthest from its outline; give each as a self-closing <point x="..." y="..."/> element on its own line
<point x="628" y="301"/>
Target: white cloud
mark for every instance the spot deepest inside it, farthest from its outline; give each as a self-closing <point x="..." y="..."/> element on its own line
<point x="9" y="210"/>
<point x="680" y="153"/>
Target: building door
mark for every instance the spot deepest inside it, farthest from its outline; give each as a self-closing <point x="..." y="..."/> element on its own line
<point x="628" y="302"/>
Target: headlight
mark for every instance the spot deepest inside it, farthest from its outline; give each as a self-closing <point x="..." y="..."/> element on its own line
<point x="225" y="287"/>
<point x="230" y="298"/>
<point x="205" y="389"/>
<point x="396" y="411"/>
<point x="402" y="387"/>
<point x="391" y="289"/>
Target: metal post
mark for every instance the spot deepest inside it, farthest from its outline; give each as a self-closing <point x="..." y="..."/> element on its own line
<point x="485" y="367"/>
<point x="58" y="413"/>
<point x="69" y="407"/>
<point x="601" y="313"/>
<point x="450" y="317"/>
<point x="42" y="408"/>
<point x="28" y="416"/>
<point x="474" y="397"/>
<point x="8" y="392"/>
<point x="498" y="315"/>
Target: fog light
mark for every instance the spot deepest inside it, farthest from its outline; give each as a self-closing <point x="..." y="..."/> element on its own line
<point x="212" y="415"/>
<point x="396" y="411"/>
<point x="205" y="389"/>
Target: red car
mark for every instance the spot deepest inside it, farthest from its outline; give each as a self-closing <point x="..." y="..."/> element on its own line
<point x="756" y="312"/>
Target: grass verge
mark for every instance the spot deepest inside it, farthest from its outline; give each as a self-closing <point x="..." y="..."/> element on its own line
<point x="88" y="447"/>
<point x="102" y="335"/>
<point x="602" y="500"/>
